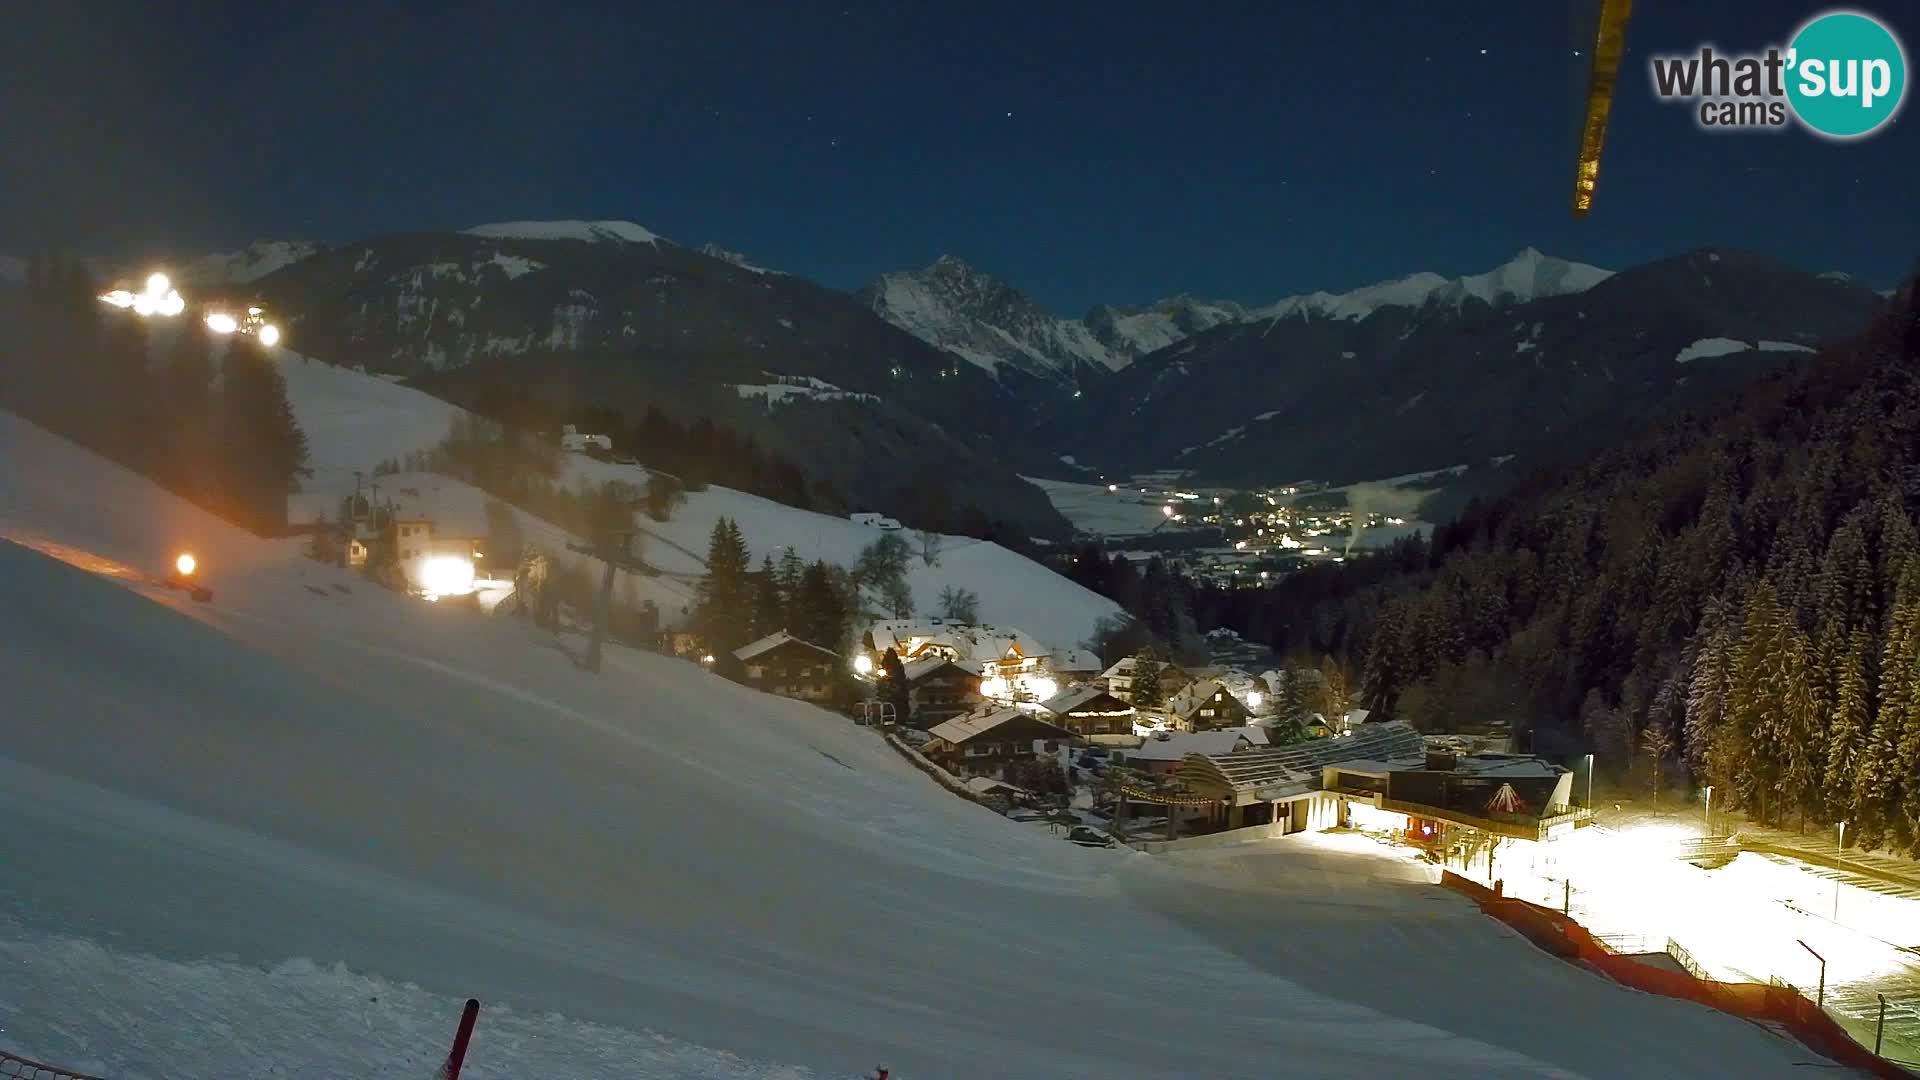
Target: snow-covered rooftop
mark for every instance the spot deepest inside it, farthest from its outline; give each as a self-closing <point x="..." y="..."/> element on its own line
<point x="773" y="641"/>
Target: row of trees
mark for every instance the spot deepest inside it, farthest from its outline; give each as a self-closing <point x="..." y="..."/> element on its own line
<point x="1158" y="600"/>
<point x="737" y="604"/>
<point x="207" y="418"/>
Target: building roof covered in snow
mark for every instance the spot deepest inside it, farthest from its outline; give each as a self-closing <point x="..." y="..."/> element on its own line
<point x="1175" y="746"/>
<point x="1280" y="771"/>
<point x="1080" y="696"/>
<point x="1075" y="660"/>
<point x="965" y="642"/>
<point x="961" y="729"/>
<point x="1192" y="697"/>
<point x="774" y="641"/>
<point x="1125" y="667"/>
<point x="915" y="670"/>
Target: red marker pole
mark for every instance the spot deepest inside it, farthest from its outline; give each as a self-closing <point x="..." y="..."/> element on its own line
<point x="458" y="1055"/>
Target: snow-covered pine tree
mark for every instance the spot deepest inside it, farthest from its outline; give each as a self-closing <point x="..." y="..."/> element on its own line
<point x="1755" y="734"/>
<point x="1847" y="728"/>
<point x="1707" y="689"/>
<point x="1800" y="730"/>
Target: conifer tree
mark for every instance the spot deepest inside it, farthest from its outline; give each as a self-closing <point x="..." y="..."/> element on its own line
<point x="1706" y="723"/>
<point x="1146" y="680"/>
<point x="1756" y="701"/>
<point x="1847" y="731"/>
<point x="724" y="612"/>
<point x="769" y="606"/>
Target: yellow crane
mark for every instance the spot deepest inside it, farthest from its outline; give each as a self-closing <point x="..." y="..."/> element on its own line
<point x="1600" y="34"/>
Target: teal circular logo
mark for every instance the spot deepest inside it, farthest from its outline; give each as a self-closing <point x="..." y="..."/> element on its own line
<point x="1846" y="76"/>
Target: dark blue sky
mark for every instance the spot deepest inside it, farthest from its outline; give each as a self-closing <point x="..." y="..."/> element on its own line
<point x="1083" y="152"/>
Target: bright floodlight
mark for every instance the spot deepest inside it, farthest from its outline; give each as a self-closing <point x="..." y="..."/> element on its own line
<point x="1254" y="698"/>
<point x="863" y="664"/>
<point x="1166" y="511"/>
<point x="157" y="284"/>
<point x="145" y="304"/>
<point x="221" y="323"/>
<point x="993" y="688"/>
<point x="119" y="298"/>
<point x="269" y="335"/>
<point x="447" y="575"/>
<point x="185" y="564"/>
<point x="172" y="304"/>
<point x="253" y="311"/>
<point x="1043" y="688"/>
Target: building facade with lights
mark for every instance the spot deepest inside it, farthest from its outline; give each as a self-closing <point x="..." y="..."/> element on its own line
<point x="785" y="665"/>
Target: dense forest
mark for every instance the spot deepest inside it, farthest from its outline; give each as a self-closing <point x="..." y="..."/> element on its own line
<point x="207" y="418"/>
<point x="1734" y="593"/>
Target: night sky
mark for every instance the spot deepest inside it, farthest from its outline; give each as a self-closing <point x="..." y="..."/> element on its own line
<point x="1083" y="152"/>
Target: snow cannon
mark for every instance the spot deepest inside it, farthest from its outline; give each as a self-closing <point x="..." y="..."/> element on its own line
<point x="180" y="576"/>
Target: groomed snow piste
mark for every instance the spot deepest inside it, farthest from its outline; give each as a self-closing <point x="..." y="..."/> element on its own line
<point x="286" y="832"/>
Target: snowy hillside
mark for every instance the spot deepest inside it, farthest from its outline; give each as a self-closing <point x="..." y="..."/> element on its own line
<point x="353" y="421"/>
<point x="1527" y="276"/>
<point x="596" y="232"/>
<point x="286" y="832"/>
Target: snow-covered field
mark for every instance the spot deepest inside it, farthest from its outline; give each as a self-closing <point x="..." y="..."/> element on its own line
<point x="1093" y="509"/>
<point x="353" y="421"/>
<point x="288" y="831"/>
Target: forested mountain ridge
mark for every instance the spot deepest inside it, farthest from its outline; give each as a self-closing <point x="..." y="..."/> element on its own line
<point x="1736" y="591"/>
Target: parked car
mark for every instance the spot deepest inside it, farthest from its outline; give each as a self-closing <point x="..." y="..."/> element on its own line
<point x="1088" y="836"/>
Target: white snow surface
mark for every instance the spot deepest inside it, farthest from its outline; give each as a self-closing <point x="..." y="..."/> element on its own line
<point x="716" y="251"/>
<point x="1091" y="508"/>
<point x="285" y="834"/>
<point x="624" y="232"/>
<point x="1727" y="346"/>
<point x="353" y="421"/>
<point x="1527" y="276"/>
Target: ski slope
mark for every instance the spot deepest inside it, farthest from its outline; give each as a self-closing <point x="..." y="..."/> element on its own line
<point x="287" y="832"/>
<point x="353" y="421"/>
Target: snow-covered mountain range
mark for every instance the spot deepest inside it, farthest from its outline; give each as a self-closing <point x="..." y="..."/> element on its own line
<point x="988" y="323"/>
<point x="973" y="315"/>
<point x="1527" y="276"/>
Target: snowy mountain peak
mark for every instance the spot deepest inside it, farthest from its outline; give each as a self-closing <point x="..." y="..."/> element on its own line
<point x="1529" y="275"/>
<point x="593" y="232"/>
<point x="987" y="322"/>
<point x="715" y="251"/>
<point x="1131" y="332"/>
<point x="251" y="263"/>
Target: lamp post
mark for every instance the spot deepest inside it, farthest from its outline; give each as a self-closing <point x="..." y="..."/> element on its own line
<point x="1709" y="813"/>
<point x="1589" y="781"/>
<point x="1836" y="881"/>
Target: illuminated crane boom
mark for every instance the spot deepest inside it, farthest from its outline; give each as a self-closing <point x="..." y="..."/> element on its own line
<point x="1601" y="40"/>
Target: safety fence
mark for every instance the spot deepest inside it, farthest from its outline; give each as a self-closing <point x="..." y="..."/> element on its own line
<point x="1556" y="933"/>
<point x="18" y="1067"/>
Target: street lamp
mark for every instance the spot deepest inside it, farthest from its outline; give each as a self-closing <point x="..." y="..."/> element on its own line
<point x="1709" y="814"/>
<point x="1836" y="881"/>
<point x="1589" y="781"/>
